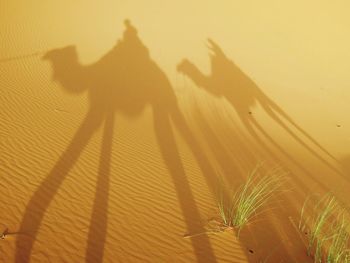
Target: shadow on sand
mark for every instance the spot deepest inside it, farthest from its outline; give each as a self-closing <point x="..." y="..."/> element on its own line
<point x="229" y="81"/>
<point x="125" y="80"/>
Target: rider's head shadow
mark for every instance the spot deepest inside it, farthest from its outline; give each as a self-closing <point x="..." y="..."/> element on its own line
<point x="227" y="80"/>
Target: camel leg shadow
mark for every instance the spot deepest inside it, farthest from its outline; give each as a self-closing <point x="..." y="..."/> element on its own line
<point x="99" y="218"/>
<point x="40" y="201"/>
<point x="279" y="121"/>
<point x="251" y="123"/>
<point x="170" y="154"/>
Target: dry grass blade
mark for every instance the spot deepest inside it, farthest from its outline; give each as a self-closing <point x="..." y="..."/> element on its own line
<point x="249" y="197"/>
<point x="328" y="227"/>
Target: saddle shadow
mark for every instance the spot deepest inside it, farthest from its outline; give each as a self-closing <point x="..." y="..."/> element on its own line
<point x="124" y="80"/>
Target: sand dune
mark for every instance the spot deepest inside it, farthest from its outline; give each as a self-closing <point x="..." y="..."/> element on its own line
<point x="116" y="126"/>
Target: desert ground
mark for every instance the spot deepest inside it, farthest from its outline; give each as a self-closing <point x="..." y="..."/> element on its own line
<point x="118" y="120"/>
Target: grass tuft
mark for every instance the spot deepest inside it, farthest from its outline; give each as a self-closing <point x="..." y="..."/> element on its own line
<point x="327" y="224"/>
<point x="338" y="251"/>
<point x="250" y="197"/>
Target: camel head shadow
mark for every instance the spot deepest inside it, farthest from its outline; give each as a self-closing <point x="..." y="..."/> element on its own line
<point x="125" y="79"/>
<point x="228" y="81"/>
<point x="121" y="80"/>
<point x="61" y="60"/>
<point x="225" y="79"/>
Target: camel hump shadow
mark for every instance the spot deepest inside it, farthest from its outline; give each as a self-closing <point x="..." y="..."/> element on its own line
<point x="227" y="80"/>
<point x="125" y="79"/>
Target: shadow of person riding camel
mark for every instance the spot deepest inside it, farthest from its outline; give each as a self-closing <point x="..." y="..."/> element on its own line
<point x="125" y="80"/>
<point x="229" y="81"/>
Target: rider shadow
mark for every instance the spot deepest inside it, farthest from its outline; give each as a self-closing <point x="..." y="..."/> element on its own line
<point x="124" y="80"/>
<point x="229" y="81"/>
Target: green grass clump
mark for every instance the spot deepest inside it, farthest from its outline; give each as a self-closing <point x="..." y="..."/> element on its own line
<point x="249" y="197"/>
<point x="338" y="251"/>
<point x="327" y="206"/>
<point x="327" y="224"/>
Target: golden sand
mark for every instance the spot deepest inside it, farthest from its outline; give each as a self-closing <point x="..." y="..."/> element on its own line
<point x="118" y="117"/>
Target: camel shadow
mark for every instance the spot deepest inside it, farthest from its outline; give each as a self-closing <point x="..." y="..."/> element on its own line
<point x="124" y="80"/>
<point x="229" y="81"/>
<point x="235" y="148"/>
